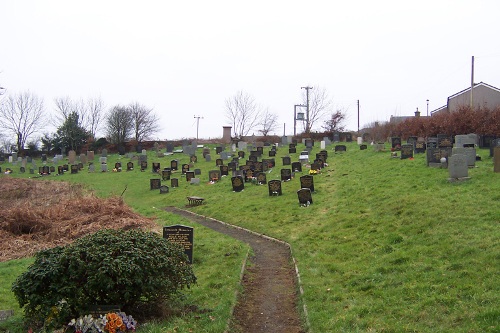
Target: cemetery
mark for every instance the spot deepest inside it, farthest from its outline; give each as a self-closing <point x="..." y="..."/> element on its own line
<point x="365" y="229"/>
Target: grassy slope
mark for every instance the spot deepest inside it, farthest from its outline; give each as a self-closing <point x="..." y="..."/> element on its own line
<point x="388" y="245"/>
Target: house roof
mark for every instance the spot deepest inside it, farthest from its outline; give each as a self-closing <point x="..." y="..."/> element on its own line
<point x="475" y="85"/>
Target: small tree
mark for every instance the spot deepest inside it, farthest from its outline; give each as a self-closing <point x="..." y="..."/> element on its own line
<point x="243" y="113"/>
<point x="269" y="122"/>
<point x="144" y="121"/>
<point x="71" y="135"/>
<point x="334" y="123"/>
<point x="22" y="115"/>
<point x="119" y="124"/>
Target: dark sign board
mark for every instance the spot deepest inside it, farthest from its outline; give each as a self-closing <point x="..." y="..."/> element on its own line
<point x="182" y="235"/>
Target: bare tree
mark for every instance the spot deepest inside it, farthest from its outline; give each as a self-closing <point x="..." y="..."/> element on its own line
<point x="22" y="115"/>
<point x="94" y="115"/>
<point x="319" y="104"/>
<point x="269" y="121"/>
<point x="119" y="125"/>
<point x="335" y="122"/>
<point x="144" y="121"/>
<point x="243" y="113"/>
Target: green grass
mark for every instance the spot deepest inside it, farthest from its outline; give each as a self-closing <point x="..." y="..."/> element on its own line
<point x="388" y="245"/>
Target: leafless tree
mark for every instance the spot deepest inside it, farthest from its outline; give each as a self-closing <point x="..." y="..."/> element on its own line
<point x="335" y="122"/>
<point x="319" y="105"/>
<point x="119" y="124"/>
<point x="144" y="121"/>
<point x="243" y="113"/>
<point x="268" y="123"/>
<point x="22" y="115"/>
<point x="94" y="115"/>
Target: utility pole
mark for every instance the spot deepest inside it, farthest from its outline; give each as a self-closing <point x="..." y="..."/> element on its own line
<point x="472" y="83"/>
<point x="197" y="125"/>
<point x="307" y="107"/>
<point x="358" y="116"/>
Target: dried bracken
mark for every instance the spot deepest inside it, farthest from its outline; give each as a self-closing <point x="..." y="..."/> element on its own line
<point x="36" y="215"/>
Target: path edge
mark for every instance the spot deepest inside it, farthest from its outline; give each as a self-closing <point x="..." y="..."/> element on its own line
<point x="297" y="273"/>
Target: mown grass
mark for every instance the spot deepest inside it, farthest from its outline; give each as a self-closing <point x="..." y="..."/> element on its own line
<point x="388" y="245"/>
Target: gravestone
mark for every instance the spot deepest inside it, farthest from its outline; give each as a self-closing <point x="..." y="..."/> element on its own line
<point x="457" y="167"/>
<point x="305" y="197"/>
<point x="130" y="166"/>
<point x="224" y="155"/>
<point x="315" y="166"/>
<point x="218" y="150"/>
<point x="242" y="145"/>
<point x="52" y="169"/>
<point x="470" y="155"/>
<point x="444" y="141"/>
<point x="241" y="154"/>
<point x="118" y="167"/>
<point x="292" y="150"/>
<point x="258" y="166"/>
<point x="60" y="170"/>
<point x="103" y="159"/>
<point x="83" y="158"/>
<point x="66" y="167"/>
<point x="29" y="159"/>
<point x="286" y="175"/>
<point x="164" y="189"/>
<point x="22" y="169"/>
<point x="224" y="170"/>
<point x="307" y="181"/>
<point x="185" y="168"/>
<point x="461" y="140"/>
<point x="336" y="137"/>
<point x="434" y="156"/>
<point x="165" y="174"/>
<point x="260" y="151"/>
<point x="144" y="165"/>
<point x="189" y="175"/>
<point x="322" y="144"/>
<point x="193" y="159"/>
<point x="419" y="147"/>
<point x="297" y="167"/>
<point x="194" y="181"/>
<point x="432" y="142"/>
<point x="104" y="152"/>
<point x="253" y="158"/>
<point x="406" y="151"/>
<point x="197" y="172"/>
<point x="154" y="183"/>
<point x="219" y="162"/>
<point x="46" y="170"/>
<point x="214" y="175"/>
<point x="155" y="167"/>
<point x="91" y="167"/>
<point x="395" y="142"/>
<point x="174" y="182"/>
<point x="80" y="166"/>
<point x="237" y="183"/>
<point x="309" y="143"/>
<point x="411" y="140"/>
<point x="44" y="157"/>
<point x="261" y="178"/>
<point x="340" y="148"/>
<point x="208" y="158"/>
<point x="248" y="174"/>
<point x="274" y="187"/>
<point x="272" y="153"/>
<point x="378" y="147"/>
<point x="170" y="147"/>
<point x="104" y="168"/>
<point x="494" y="143"/>
<point x="363" y="147"/>
<point x="121" y="150"/>
<point x="174" y="165"/>
<point x="286" y="160"/>
<point x="181" y="235"/>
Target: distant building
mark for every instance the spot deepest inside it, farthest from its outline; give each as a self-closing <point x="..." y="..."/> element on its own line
<point x="483" y="95"/>
<point x="399" y="119"/>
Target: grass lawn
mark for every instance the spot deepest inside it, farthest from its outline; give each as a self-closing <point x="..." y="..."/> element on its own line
<point x="388" y="245"/>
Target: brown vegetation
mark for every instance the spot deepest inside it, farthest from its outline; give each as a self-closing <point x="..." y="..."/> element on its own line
<point x="36" y="215"/>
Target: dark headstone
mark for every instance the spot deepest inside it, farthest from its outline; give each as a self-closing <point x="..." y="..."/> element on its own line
<point x="241" y="154"/>
<point x="193" y="159"/>
<point x="272" y="153"/>
<point x="444" y="141"/>
<point x="292" y="150"/>
<point x="154" y="183"/>
<point x="130" y="166"/>
<point x="305" y="197"/>
<point x="419" y="147"/>
<point x="286" y="174"/>
<point x="174" y="182"/>
<point x="182" y="235"/>
<point x="185" y="168"/>
<point x="395" y="142"/>
<point x="406" y="151"/>
<point x="224" y="170"/>
<point x="261" y="178"/>
<point x="144" y="165"/>
<point x="174" y="165"/>
<point x="219" y="162"/>
<point x="363" y="147"/>
<point x="214" y="175"/>
<point x="118" y="166"/>
<point x="274" y="187"/>
<point x="74" y="168"/>
<point x="316" y="166"/>
<point x="237" y="183"/>
<point x="52" y="169"/>
<point x="155" y="167"/>
<point x="307" y="181"/>
<point x="218" y="150"/>
<point x="22" y="169"/>
<point x="286" y="160"/>
<point x="340" y="148"/>
<point x="297" y="167"/>
<point x="189" y="175"/>
<point x="165" y="174"/>
<point x="164" y="189"/>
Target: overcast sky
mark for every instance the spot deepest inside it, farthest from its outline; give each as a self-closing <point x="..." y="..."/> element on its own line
<point x="185" y="58"/>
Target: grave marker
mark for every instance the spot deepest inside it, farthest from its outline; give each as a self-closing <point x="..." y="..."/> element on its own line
<point x="406" y="151"/>
<point x="286" y="175"/>
<point x="164" y="189"/>
<point x="154" y="183"/>
<point x="457" y="167"/>
<point x="307" y="181"/>
<point x="274" y="187"/>
<point x="305" y="197"/>
<point x="182" y="235"/>
<point x="237" y="183"/>
<point x="174" y="182"/>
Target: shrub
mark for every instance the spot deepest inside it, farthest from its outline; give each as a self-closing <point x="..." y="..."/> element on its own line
<point x="108" y="267"/>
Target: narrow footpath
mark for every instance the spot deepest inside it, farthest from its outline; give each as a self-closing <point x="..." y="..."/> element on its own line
<point x="269" y="302"/>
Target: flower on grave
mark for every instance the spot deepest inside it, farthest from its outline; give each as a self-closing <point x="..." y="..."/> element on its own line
<point x="110" y="323"/>
<point x="313" y="172"/>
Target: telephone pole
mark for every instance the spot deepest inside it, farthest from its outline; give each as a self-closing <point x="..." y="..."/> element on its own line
<point x="197" y="125"/>
<point x="307" y="107"/>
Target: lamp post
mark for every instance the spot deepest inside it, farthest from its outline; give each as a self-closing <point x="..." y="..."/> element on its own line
<point x="295" y="117"/>
<point x="427" y="108"/>
<point x="197" y="125"/>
